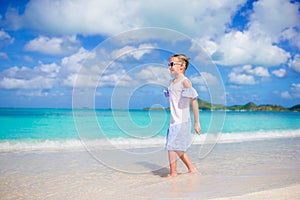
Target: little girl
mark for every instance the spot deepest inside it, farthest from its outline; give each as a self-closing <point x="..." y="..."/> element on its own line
<point x="181" y="94"/>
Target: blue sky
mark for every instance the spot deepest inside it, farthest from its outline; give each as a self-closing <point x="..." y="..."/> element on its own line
<point x="253" y="47"/>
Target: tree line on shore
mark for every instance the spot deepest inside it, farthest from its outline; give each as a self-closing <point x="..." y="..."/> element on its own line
<point x="205" y="105"/>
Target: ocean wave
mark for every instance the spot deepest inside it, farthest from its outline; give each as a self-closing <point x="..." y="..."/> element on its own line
<point x="244" y="136"/>
<point x="39" y="145"/>
<point x="125" y="143"/>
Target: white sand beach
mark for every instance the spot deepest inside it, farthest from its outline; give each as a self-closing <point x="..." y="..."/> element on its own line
<point x="268" y="169"/>
<point x="290" y="192"/>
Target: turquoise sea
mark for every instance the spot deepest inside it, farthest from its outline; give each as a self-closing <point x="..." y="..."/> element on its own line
<point x="31" y="129"/>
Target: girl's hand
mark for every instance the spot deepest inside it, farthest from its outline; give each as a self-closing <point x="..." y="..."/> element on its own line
<point x="197" y="127"/>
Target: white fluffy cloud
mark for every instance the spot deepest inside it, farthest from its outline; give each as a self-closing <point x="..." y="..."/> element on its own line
<point x="293" y="93"/>
<point x="76" y="71"/>
<point x="62" y="17"/>
<point x="295" y="63"/>
<point x="295" y="90"/>
<point x="279" y="73"/>
<point x="286" y="95"/>
<point x="196" y="18"/>
<point x="241" y="48"/>
<point x="257" y="71"/>
<point x="205" y="20"/>
<point x="153" y="74"/>
<point x="257" y="44"/>
<point x="204" y="80"/>
<point x="38" y="82"/>
<point x="267" y="18"/>
<point x="40" y="77"/>
<point x="246" y="75"/>
<point x="71" y="73"/>
<point x="4" y="35"/>
<point x="241" y="79"/>
<point x="5" y="38"/>
<point x="135" y="52"/>
<point x="73" y="63"/>
<point x="53" y="46"/>
<point x="291" y="35"/>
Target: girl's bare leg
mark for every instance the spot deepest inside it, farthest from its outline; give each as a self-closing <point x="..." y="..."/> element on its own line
<point x="173" y="163"/>
<point x="186" y="160"/>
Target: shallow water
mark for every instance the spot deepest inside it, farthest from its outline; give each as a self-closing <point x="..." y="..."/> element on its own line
<point x="23" y="129"/>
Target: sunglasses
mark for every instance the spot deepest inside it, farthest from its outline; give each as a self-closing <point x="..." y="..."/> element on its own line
<point x="173" y="63"/>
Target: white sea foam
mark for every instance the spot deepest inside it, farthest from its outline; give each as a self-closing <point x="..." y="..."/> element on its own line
<point x="37" y="145"/>
<point x="246" y="136"/>
<point x="259" y="135"/>
<point x="125" y="143"/>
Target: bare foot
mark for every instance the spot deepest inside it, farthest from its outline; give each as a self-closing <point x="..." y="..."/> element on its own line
<point x="173" y="175"/>
<point x="193" y="171"/>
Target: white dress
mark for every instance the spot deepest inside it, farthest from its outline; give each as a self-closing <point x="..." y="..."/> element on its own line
<point x="179" y="131"/>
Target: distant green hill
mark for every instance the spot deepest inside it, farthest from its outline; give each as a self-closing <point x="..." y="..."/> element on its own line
<point x="253" y="107"/>
<point x="205" y="105"/>
<point x="295" y="108"/>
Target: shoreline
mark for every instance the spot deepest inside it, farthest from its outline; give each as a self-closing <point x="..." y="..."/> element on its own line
<point x="49" y="145"/>
<point x="265" y="168"/>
